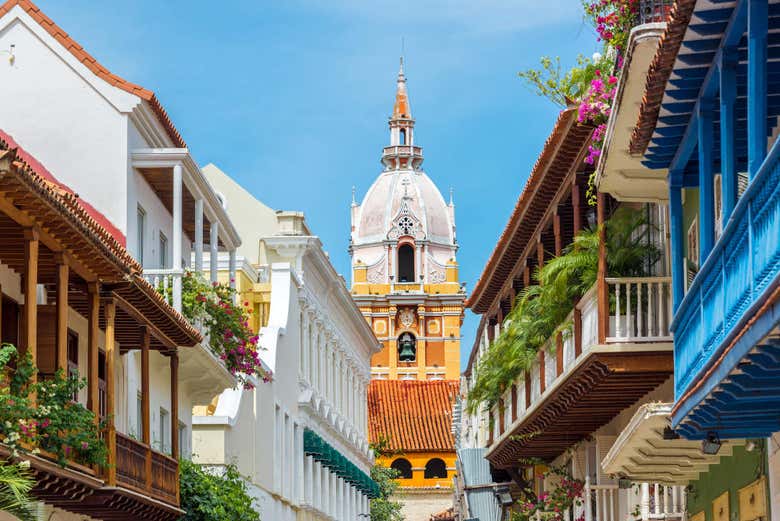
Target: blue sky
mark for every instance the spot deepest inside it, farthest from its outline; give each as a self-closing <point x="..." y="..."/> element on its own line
<point x="291" y="97"/>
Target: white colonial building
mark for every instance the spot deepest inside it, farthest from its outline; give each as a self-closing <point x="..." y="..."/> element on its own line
<point x="300" y="439"/>
<point x="111" y="145"/>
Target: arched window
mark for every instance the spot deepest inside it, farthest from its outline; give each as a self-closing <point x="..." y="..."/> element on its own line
<point x="403" y="136"/>
<point x="403" y="467"/>
<point x="406" y="263"/>
<point x="435" y="468"/>
<point x="407" y="348"/>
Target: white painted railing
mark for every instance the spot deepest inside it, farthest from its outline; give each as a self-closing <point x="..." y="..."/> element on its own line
<point x="662" y="501"/>
<point x="589" y="310"/>
<point x="550" y="365"/>
<point x="168" y="283"/>
<point x="536" y="388"/>
<point x="642" y="309"/>
<point x="600" y="501"/>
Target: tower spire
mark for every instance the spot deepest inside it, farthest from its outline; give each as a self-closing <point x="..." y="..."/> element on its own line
<point x="401" y="109"/>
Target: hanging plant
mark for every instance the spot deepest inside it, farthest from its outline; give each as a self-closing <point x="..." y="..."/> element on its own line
<point x="541" y="310"/>
<point x="42" y="416"/>
<point x="552" y="505"/>
<point x="226" y="324"/>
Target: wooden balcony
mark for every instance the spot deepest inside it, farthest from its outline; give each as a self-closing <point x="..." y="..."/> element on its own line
<point x="146" y="471"/>
<point x="727" y="352"/>
<point x="584" y="377"/>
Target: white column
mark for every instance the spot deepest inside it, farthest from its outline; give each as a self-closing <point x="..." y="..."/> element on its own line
<point x="177" y="235"/>
<point x="213" y="250"/>
<point x="199" y="235"/>
<point x="425" y="264"/>
<point x="232" y="271"/>
<point x="418" y="264"/>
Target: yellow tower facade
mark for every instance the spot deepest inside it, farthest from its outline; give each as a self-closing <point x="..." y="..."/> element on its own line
<point x="404" y="268"/>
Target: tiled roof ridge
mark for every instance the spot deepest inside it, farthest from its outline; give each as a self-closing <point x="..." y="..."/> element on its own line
<point x="545" y="158"/>
<point x="92" y="64"/>
<point x="658" y="74"/>
<point x="37" y="177"/>
<point x="415" y="416"/>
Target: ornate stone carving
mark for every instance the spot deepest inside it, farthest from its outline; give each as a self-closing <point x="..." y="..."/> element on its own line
<point x="406" y="317"/>
<point x="436" y="275"/>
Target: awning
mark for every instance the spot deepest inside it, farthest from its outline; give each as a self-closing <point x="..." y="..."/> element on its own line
<point x="326" y="455"/>
<point x="641" y="453"/>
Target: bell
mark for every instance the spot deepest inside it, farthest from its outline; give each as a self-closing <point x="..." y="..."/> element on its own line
<point x="407" y="352"/>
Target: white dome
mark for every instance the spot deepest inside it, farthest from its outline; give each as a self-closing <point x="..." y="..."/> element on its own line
<point x="403" y="202"/>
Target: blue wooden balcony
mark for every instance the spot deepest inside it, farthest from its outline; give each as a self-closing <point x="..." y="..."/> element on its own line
<point x="719" y="111"/>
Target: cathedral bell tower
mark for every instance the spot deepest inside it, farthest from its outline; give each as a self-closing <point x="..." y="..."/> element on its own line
<point x="404" y="269"/>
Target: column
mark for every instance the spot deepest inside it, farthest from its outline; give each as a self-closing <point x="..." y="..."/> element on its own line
<point x="557" y="234"/>
<point x="394" y="256"/>
<point x="199" y="235"/>
<point x="93" y="318"/>
<point x="304" y="344"/>
<point x="425" y="263"/>
<point x="174" y="365"/>
<point x="232" y="272"/>
<point x="706" y="181"/>
<point x="213" y="250"/>
<point x="728" y="133"/>
<point x="418" y="264"/>
<point x="602" y="290"/>
<point x="575" y="204"/>
<point x="109" y="310"/>
<point x="146" y="433"/>
<point x="30" y="288"/>
<point x="177" y="236"/>
<point x="62" y="313"/>
<point x="676" y="239"/>
<point x="758" y="15"/>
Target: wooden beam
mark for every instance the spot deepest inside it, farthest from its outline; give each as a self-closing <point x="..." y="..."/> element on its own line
<point x="141" y="319"/>
<point x="577" y="319"/>
<point x="575" y="204"/>
<point x="62" y="313"/>
<point x="557" y="233"/>
<point x="146" y="434"/>
<point x="514" y="402"/>
<point x="602" y="290"/>
<point x="559" y="354"/>
<point x="30" y="288"/>
<point x="93" y="321"/>
<point x="527" y="380"/>
<point x="540" y="252"/>
<point x="174" y="362"/>
<point x="542" y="384"/>
<point x="109" y="310"/>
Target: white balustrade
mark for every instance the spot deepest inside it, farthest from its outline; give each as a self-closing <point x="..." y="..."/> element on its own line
<point x="663" y="501"/>
<point x="641" y="309"/>
<point x="550" y="365"/>
<point x="601" y="502"/>
<point x="164" y="281"/>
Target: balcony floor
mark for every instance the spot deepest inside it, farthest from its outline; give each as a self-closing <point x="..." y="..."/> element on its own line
<point x="606" y="381"/>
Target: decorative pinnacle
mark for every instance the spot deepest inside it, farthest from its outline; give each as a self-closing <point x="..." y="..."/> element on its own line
<point x="354" y="203"/>
<point x="452" y="193"/>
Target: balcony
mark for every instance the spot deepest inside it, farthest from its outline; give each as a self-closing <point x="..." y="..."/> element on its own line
<point x="164" y="281"/>
<point x="580" y="383"/>
<point x="146" y="471"/>
<point x="726" y="348"/>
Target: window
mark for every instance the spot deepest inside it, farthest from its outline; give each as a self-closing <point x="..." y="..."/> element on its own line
<point x="140" y="225"/>
<point x="9" y="324"/>
<point x="163" y="251"/>
<point x="405" y="263"/>
<point x="402" y="133"/>
<point x="139" y="415"/>
<point x="403" y="467"/>
<point x="164" y="434"/>
<point x="435" y="468"/>
<point x="692" y="257"/>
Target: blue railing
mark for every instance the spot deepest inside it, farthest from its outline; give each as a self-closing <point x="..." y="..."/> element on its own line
<point x="743" y="265"/>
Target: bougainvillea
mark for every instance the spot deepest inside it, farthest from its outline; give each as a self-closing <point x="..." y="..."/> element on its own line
<point x="551" y="505"/>
<point x="595" y="109"/>
<point x="42" y="415"/>
<point x="226" y="324"/>
<point x="613" y="20"/>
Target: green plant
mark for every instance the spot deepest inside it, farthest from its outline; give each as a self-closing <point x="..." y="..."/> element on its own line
<point x="562" y="88"/>
<point x="383" y="508"/>
<point x="552" y="505"/>
<point x="541" y="310"/>
<point x="42" y="416"/>
<point x="16" y="482"/>
<point x="227" y="324"/>
<point x="207" y="496"/>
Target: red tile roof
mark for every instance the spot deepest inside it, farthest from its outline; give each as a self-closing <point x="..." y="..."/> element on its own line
<point x="564" y="147"/>
<point x="414" y="416"/>
<point x="658" y="74"/>
<point x="92" y="64"/>
<point x="444" y="515"/>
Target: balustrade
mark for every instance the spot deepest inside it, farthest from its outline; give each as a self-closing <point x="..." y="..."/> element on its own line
<point x="164" y="281"/>
<point x="642" y="309"/>
<point x="654" y="11"/>
<point x="145" y="470"/>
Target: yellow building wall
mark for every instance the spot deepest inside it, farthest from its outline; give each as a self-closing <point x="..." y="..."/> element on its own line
<point x="418" y="461"/>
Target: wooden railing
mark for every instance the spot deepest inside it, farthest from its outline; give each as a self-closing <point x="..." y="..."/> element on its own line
<point x="147" y="471"/>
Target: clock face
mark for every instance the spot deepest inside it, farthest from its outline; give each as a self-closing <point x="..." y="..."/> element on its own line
<point x="407" y="317"/>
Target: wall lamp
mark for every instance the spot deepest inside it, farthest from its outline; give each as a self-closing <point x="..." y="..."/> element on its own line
<point x="711" y="444"/>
